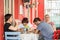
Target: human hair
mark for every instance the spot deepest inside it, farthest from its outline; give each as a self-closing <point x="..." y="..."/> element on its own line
<point x="7" y="16"/>
<point x="36" y="19"/>
<point x="25" y="20"/>
<point x="46" y="15"/>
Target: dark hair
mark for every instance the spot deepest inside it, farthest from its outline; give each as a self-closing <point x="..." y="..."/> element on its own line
<point x="25" y="20"/>
<point x="36" y="19"/>
<point x="7" y="16"/>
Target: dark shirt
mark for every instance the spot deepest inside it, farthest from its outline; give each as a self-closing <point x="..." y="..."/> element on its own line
<point x="6" y="27"/>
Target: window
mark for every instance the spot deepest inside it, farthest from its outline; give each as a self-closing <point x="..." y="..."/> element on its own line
<point x="9" y="7"/>
<point x="52" y="7"/>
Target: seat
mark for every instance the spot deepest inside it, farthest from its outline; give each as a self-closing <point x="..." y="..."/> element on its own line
<point x="56" y="34"/>
<point x="12" y="35"/>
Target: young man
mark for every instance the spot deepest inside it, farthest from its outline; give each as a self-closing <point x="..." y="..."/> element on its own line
<point x="45" y="29"/>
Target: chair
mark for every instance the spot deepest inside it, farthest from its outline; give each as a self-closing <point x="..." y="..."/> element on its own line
<point x="12" y="35"/>
<point x="56" y="34"/>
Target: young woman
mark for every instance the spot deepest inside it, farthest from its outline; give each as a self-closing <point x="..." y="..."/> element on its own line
<point x="8" y="26"/>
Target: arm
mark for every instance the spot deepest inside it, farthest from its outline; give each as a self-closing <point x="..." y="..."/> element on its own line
<point x="35" y="31"/>
<point x="13" y="28"/>
<point x="21" y="28"/>
<point x="54" y="28"/>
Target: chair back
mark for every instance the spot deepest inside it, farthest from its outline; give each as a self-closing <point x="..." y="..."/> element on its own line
<point x="12" y="35"/>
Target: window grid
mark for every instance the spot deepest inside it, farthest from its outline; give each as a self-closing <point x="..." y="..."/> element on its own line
<point x="52" y="7"/>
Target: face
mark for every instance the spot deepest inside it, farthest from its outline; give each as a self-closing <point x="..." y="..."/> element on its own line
<point x="25" y="24"/>
<point x="37" y="23"/>
<point x="11" y="19"/>
<point x="47" y="18"/>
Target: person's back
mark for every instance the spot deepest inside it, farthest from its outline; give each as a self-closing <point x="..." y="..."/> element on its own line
<point x="46" y="30"/>
<point x="6" y="26"/>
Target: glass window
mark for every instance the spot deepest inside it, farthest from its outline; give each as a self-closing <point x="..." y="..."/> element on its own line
<point x="9" y="7"/>
<point x="52" y="7"/>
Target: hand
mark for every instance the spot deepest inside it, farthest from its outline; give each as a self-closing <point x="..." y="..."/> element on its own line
<point x="20" y="30"/>
<point x="18" y="21"/>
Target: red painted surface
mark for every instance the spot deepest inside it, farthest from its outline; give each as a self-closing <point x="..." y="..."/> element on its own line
<point x="1" y="18"/>
<point x="17" y="4"/>
<point x="31" y="12"/>
<point x="20" y="16"/>
<point x="16" y="9"/>
<point x="41" y="9"/>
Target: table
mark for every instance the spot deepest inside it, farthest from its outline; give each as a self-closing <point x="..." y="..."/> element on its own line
<point x="30" y="36"/>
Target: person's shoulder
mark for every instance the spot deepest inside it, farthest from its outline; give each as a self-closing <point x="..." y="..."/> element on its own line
<point x="21" y="25"/>
<point x="43" y="23"/>
<point x="30" y="25"/>
<point x="52" y="22"/>
<point x="8" y="24"/>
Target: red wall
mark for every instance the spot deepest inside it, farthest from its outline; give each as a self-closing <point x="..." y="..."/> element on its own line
<point x="17" y="3"/>
<point x="41" y="9"/>
<point x="1" y="18"/>
<point x="16" y="9"/>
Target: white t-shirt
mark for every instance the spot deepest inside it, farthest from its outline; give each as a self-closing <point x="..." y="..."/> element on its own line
<point x="22" y="26"/>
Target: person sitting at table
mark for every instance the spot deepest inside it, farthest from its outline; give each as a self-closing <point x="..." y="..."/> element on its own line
<point x="47" y="20"/>
<point x="8" y="26"/>
<point x="25" y="26"/>
<point x="44" y="28"/>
